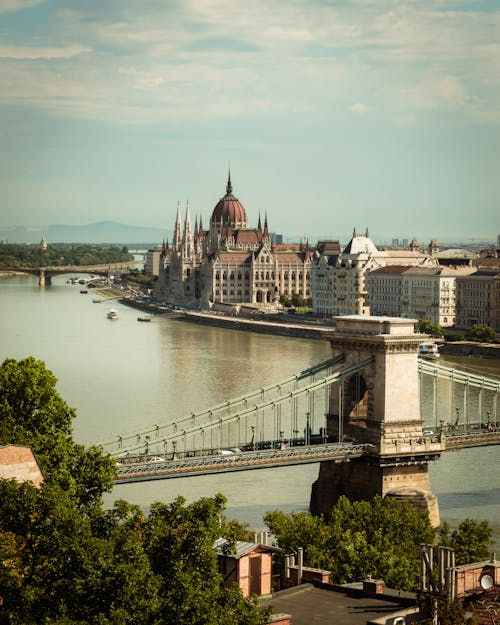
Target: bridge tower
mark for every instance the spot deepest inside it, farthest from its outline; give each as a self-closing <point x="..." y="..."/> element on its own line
<point x="380" y="406"/>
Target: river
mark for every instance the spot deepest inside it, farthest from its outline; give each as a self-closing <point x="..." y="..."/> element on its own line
<point x="124" y="376"/>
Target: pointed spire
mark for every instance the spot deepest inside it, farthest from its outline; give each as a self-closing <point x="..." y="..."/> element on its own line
<point x="201" y="224"/>
<point x="354" y="231"/>
<point x="266" y="231"/>
<point x="259" y="225"/>
<point x="229" y="186"/>
<point x="366" y="233"/>
<point x="196" y="227"/>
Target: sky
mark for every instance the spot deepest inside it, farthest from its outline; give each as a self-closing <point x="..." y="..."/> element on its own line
<point x="331" y="114"/>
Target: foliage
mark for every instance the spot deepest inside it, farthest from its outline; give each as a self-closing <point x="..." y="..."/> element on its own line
<point x="18" y="255"/>
<point x="138" y="277"/>
<point x="424" y="326"/>
<point x="379" y="538"/>
<point x="480" y="332"/>
<point x="470" y="540"/>
<point x="117" y="567"/>
<point x="285" y="300"/>
<point x="32" y="413"/>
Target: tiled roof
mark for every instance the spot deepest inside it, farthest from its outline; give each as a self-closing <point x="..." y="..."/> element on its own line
<point x="19" y="463"/>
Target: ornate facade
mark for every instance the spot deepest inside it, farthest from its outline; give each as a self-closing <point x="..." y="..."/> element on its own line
<point x="229" y="263"/>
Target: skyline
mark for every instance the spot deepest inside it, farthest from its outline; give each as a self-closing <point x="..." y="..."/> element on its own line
<point x="331" y="116"/>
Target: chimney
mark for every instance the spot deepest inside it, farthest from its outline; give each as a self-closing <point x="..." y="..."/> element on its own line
<point x="373" y="586"/>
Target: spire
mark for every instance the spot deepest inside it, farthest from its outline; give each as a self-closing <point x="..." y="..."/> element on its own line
<point x="200" y="224"/>
<point x="366" y="233"/>
<point x="177" y="240"/>
<point x="229" y="186"/>
<point x="196" y="227"/>
<point x="259" y="225"/>
<point x="266" y="231"/>
<point x="354" y="232"/>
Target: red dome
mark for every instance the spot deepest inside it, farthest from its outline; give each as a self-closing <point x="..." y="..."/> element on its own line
<point x="229" y="209"/>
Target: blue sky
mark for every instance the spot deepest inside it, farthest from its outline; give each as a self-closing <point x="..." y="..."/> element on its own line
<point x="333" y="114"/>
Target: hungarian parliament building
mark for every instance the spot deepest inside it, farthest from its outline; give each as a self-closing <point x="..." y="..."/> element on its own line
<point x="230" y="262"/>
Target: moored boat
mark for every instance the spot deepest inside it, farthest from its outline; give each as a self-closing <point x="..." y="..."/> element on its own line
<point x="428" y="350"/>
<point x="112" y="314"/>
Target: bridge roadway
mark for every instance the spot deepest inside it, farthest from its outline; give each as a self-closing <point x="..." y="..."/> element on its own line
<point x="186" y="464"/>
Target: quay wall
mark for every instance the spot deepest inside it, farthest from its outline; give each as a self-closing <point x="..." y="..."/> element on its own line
<point x="250" y="325"/>
<point x="469" y="348"/>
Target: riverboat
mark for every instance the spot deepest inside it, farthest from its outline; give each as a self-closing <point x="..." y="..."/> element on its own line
<point x="428" y="351"/>
<point x="112" y="314"/>
<point x="144" y="319"/>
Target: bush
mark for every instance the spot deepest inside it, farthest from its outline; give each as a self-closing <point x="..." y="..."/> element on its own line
<point x="480" y="332"/>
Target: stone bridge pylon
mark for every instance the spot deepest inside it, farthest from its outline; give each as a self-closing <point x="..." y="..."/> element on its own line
<point x="379" y="405"/>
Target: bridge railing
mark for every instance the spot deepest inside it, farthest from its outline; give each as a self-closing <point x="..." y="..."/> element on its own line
<point x="188" y="422"/>
<point x="204" y="428"/>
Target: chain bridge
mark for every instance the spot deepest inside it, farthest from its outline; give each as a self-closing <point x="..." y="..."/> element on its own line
<point x="327" y="413"/>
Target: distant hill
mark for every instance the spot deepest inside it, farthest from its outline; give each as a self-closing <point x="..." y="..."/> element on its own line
<point x="101" y="232"/>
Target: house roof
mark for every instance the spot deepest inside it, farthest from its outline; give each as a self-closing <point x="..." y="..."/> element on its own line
<point x="333" y="604"/>
<point x="242" y="548"/>
<point x="19" y="463"/>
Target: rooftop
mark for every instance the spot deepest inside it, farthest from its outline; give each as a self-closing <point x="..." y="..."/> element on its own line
<point x="333" y="604"/>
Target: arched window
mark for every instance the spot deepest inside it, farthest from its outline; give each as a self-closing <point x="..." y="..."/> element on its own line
<point x="224" y="275"/>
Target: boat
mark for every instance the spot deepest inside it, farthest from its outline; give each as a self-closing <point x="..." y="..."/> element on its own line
<point x="96" y="300"/>
<point x="428" y="350"/>
<point x="144" y="319"/>
<point x="83" y="291"/>
<point x="112" y="314"/>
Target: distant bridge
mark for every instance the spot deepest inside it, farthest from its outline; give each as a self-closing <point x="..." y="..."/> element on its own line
<point x="288" y="423"/>
<point x="45" y="274"/>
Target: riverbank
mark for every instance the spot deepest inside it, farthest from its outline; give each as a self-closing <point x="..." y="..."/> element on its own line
<point x="283" y="326"/>
<point x="469" y="348"/>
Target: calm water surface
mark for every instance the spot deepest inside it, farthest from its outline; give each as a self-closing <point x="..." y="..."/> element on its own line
<point x="121" y="376"/>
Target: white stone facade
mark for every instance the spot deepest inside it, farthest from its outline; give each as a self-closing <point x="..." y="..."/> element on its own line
<point x="229" y="263"/>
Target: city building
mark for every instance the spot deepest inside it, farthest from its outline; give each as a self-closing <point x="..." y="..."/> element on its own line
<point x="230" y="262"/>
<point x="478" y="297"/>
<point x="339" y="279"/>
<point x="152" y="261"/>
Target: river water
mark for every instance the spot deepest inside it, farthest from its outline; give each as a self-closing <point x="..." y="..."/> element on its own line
<point x="124" y="376"/>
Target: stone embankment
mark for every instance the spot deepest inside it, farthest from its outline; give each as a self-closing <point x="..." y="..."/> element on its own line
<point x="299" y="328"/>
<point x="469" y="348"/>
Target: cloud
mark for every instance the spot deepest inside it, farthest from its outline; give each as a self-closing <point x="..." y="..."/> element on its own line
<point x="359" y="108"/>
<point x="41" y="52"/>
<point x="11" y="6"/>
<point x="404" y="58"/>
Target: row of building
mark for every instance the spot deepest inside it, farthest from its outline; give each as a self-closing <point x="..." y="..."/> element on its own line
<point x="230" y="263"/>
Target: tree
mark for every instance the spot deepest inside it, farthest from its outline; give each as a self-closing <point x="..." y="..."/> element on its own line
<point x="424" y="326"/>
<point x="32" y="413"/>
<point x="179" y="540"/>
<point x="285" y="300"/>
<point x="470" y="540"/>
<point x="379" y="538"/>
<point x="480" y="332"/>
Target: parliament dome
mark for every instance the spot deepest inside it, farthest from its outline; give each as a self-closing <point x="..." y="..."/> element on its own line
<point x="229" y="210"/>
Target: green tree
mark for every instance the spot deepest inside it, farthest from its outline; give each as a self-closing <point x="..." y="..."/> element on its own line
<point x="55" y="566"/>
<point x="424" y="326"/>
<point x="471" y="540"/>
<point x="480" y="332"/>
<point x="379" y="538"/>
<point x="180" y="540"/>
<point x="33" y="413"/>
<point x="285" y="300"/>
